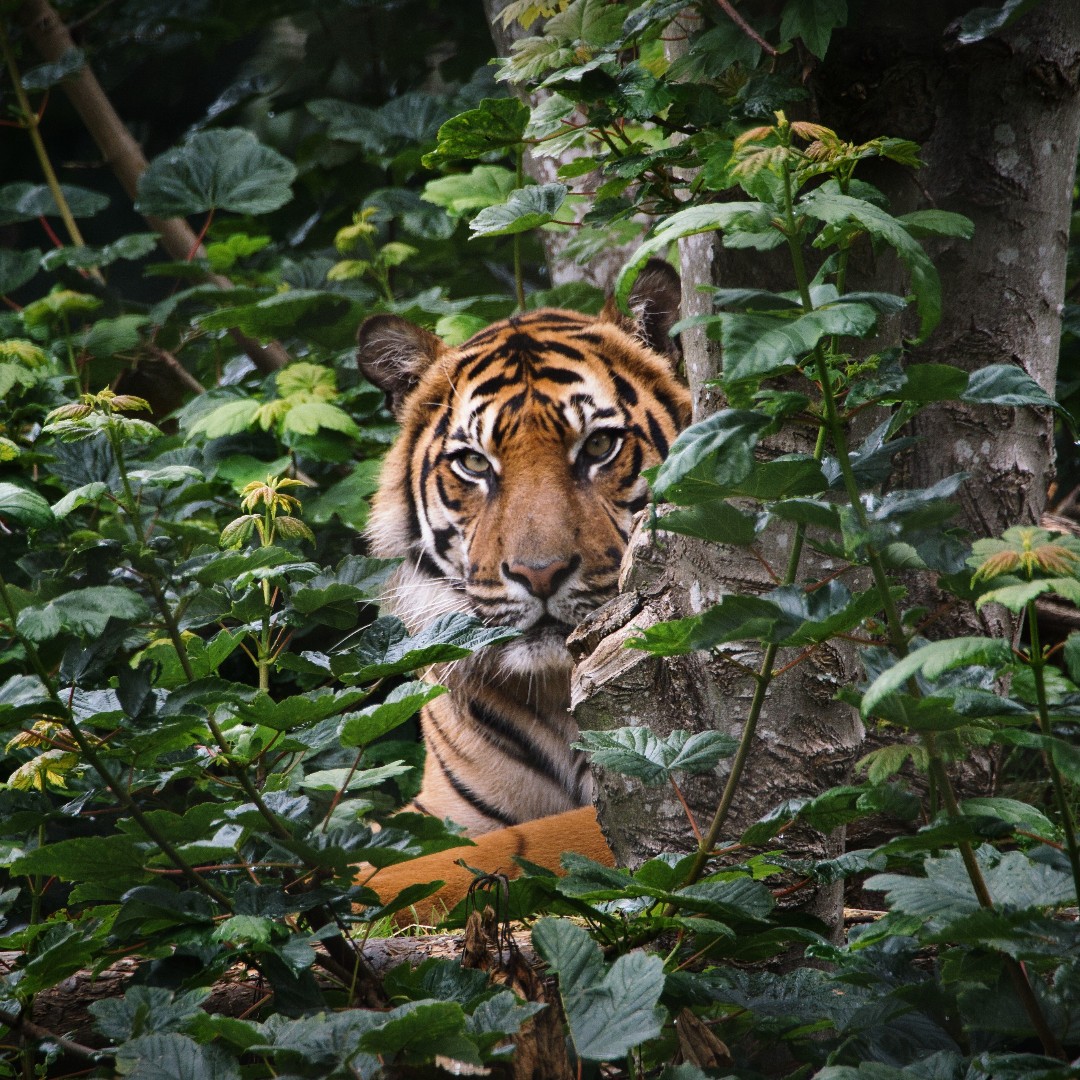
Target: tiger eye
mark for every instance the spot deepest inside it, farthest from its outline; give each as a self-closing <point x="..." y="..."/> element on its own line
<point x="599" y="444"/>
<point x="475" y="463"/>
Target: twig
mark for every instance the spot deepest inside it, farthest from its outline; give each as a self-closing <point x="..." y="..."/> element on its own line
<point x="745" y="27"/>
<point x="19" y="1022"/>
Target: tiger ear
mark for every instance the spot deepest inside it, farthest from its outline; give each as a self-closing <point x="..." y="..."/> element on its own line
<point x="393" y="354"/>
<point x="654" y="300"/>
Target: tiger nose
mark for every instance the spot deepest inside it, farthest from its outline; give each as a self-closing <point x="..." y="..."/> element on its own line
<point x="542" y="580"/>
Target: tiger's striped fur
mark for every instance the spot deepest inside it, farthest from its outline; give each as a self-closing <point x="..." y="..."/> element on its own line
<point x="510" y="495"/>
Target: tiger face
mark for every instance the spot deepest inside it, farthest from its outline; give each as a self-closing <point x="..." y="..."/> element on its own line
<point x="512" y="488"/>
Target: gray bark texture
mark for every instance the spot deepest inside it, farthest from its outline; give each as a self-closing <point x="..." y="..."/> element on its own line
<point x="998" y="122"/>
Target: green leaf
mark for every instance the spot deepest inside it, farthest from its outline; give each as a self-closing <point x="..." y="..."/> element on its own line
<point x="462" y="193"/>
<point x="83" y="612"/>
<point x="1006" y="384"/>
<point x="87" y="858"/>
<point x="297" y="709"/>
<point x="44" y="76"/>
<point x="591" y="22"/>
<point x="638" y="752"/>
<point x="828" y="204"/>
<point x="441" y="979"/>
<point x="386" y="648"/>
<point x="1013" y="879"/>
<point x="756" y="346"/>
<point x="728" y="436"/>
<point x="173" y="1056"/>
<point x="420" y="1031"/>
<point x="332" y="595"/>
<point x="984" y="22"/>
<point x="24" y="506"/>
<point x="813" y="21"/>
<point x="494" y="124"/>
<point x="133" y="246"/>
<point x="688" y="222"/>
<point x="737" y="899"/>
<point x="229" y="419"/>
<point x="932" y="661"/>
<point x="937" y="223"/>
<point x="309" y="417"/>
<point x="17" y="268"/>
<point x="525" y="208"/>
<point x="1020" y="815"/>
<point x="282" y="314"/>
<point x="25" y="202"/>
<point x="715" y="520"/>
<point x="145" y="1010"/>
<point x="401" y="703"/>
<point x="219" y="169"/>
<point x="610" y="1011"/>
<point x="107" y="337"/>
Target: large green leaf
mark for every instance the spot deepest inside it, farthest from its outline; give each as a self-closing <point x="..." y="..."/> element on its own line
<point x="729" y="436"/>
<point x="421" y="1030"/>
<point x="813" y="21"/>
<point x="83" y="612"/>
<point x="827" y="203"/>
<point x="610" y="1010"/>
<point x="1006" y="384"/>
<point x="24" y="201"/>
<point x="756" y="346"/>
<point x="221" y="169"/>
<point x="386" y="647"/>
<point x="24" y="506"/>
<point x="525" y="208"/>
<point x="694" y="219"/>
<point x="173" y="1056"/>
<point x="494" y="124"/>
<point x="934" y="660"/>
<point x="650" y="758"/>
<point x="371" y="723"/>
<point x="283" y="313"/>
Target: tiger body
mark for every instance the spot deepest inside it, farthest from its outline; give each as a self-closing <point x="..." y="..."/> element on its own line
<point x="510" y="495"/>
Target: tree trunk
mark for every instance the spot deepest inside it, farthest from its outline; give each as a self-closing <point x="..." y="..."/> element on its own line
<point x="999" y="124"/>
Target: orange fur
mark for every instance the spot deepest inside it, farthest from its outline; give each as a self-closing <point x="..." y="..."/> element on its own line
<point x="542" y="841"/>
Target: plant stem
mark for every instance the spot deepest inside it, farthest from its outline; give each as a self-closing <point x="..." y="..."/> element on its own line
<point x="519" y="275"/>
<point x="1037" y="663"/>
<point x="30" y="122"/>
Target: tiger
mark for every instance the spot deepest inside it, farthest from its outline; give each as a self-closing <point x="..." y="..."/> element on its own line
<point x="509" y="495"/>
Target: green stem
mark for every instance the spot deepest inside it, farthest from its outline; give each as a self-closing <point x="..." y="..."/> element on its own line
<point x="32" y="126"/>
<point x="1037" y="663"/>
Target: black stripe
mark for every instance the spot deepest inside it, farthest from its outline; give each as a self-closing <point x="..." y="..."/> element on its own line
<point x="522" y="342"/>
<point x="559" y="375"/>
<point x="526" y="750"/>
<point x="658" y="437"/>
<point x="493" y="385"/>
<point x="429" y="566"/>
<point x="447" y="500"/>
<point x="624" y="389"/>
<point x="469" y="795"/>
<point x="442" y="538"/>
<point x="562" y="349"/>
<point x="678" y="416"/>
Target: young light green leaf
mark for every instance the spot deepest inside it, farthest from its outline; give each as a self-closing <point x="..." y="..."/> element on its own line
<point x="525" y="208"/>
<point x="462" y="193"/>
<point x="218" y="169"/>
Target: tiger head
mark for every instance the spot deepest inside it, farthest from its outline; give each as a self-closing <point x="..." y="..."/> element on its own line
<point x="511" y="490"/>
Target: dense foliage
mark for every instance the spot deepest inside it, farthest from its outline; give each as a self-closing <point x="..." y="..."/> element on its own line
<point x="199" y="740"/>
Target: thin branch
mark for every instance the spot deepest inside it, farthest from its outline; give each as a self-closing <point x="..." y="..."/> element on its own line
<point x="745" y="27"/>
